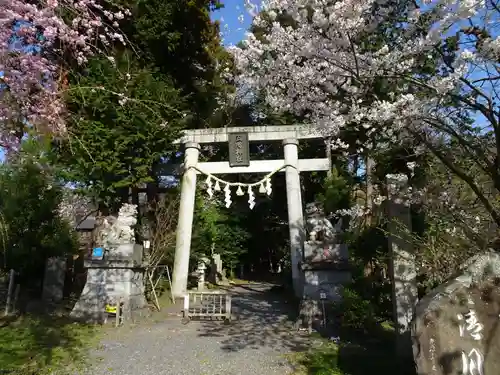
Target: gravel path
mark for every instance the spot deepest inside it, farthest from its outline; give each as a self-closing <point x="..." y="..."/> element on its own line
<point x="253" y="344"/>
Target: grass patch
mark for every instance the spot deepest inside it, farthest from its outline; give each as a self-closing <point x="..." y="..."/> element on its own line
<point x="43" y="344"/>
<point x="322" y="360"/>
<point x="346" y="359"/>
<point x="373" y="354"/>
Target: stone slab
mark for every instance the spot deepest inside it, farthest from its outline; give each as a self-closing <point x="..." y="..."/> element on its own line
<point x="256" y="166"/>
<point x="327" y="280"/>
<point x="456" y="329"/>
<point x="53" y="280"/>
<point x="255" y="133"/>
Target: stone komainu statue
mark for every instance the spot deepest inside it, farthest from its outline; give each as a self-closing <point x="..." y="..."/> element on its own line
<point x="318" y="226"/>
<point x="119" y="230"/>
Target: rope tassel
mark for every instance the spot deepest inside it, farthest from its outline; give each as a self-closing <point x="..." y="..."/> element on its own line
<point x="264" y="186"/>
<point x="251" y="198"/>
<point x="227" y="198"/>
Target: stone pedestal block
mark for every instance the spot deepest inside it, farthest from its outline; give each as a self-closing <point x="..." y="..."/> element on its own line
<point x="124" y="251"/>
<point x="329" y="281"/>
<point x="109" y="281"/>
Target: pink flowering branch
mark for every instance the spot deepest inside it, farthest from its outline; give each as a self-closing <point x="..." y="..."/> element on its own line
<point x="34" y="37"/>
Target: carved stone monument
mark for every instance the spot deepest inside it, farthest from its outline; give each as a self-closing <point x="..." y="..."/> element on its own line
<point x="53" y="279"/>
<point x="119" y="275"/>
<point x="456" y="329"/>
<point x="325" y="263"/>
<point x="215" y="267"/>
<point x="200" y="271"/>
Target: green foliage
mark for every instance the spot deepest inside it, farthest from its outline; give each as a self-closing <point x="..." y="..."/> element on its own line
<point x="357" y="313"/>
<point x="179" y="38"/>
<point x="319" y="361"/>
<point x="369" y="251"/>
<point x="43" y="344"/>
<point x="354" y="356"/>
<point x="337" y="192"/>
<point x="368" y="245"/>
<point x="219" y="230"/>
<point x="124" y="119"/>
<point x="33" y="229"/>
<point x="124" y="115"/>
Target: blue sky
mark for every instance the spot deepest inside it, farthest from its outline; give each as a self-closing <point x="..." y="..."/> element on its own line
<point x="235" y="20"/>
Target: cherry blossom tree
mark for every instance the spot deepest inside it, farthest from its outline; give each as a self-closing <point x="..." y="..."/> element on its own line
<point x="39" y="41"/>
<point x="423" y="72"/>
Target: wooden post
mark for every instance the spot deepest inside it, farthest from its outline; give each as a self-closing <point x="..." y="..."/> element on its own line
<point x="16" y="297"/>
<point x="170" y="283"/>
<point x="186" y="304"/>
<point x="118" y="313"/>
<point x="328" y="144"/>
<point x="9" y="291"/>
<point x="153" y="289"/>
<point x="228" y="306"/>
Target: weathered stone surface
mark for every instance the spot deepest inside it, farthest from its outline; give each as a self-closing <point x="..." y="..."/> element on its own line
<point x="109" y="281"/>
<point x="325" y="263"/>
<point x="402" y="262"/>
<point x="114" y="231"/>
<point x="456" y="327"/>
<point x="53" y="280"/>
<point x="329" y="282"/>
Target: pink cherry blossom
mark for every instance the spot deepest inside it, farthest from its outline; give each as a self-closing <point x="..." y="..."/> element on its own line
<point x="34" y="37"/>
<point x="320" y="68"/>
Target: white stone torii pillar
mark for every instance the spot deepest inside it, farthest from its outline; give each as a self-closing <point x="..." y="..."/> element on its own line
<point x="296" y="225"/>
<point x="185" y="223"/>
<point x="290" y="136"/>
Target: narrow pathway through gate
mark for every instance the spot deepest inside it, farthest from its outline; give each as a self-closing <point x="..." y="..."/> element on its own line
<point x="256" y="343"/>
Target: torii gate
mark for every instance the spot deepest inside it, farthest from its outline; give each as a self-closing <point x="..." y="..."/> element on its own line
<point x="291" y="165"/>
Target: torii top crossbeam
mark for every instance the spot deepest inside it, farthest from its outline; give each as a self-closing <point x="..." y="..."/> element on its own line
<point x="255" y="133"/>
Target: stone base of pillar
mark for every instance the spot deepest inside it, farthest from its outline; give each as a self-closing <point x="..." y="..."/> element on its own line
<point x="110" y="281"/>
<point x="322" y="281"/>
<point x="326" y="277"/>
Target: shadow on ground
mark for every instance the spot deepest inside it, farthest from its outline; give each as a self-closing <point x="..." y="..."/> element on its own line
<point x="373" y="354"/>
<point x="40" y="343"/>
<point x="263" y="318"/>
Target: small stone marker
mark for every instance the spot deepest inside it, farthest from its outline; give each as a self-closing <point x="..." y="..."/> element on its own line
<point x="53" y="281"/>
<point x="218" y="267"/>
<point x="456" y="330"/>
<point x="201" y="275"/>
<point x="218" y="262"/>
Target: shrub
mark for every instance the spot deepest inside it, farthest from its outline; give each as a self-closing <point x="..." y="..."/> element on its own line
<point x="356" y="313"/>
<point x="32" y="229"/>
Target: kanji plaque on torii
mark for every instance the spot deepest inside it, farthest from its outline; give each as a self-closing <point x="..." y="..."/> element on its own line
<point x="239" y="153"/>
